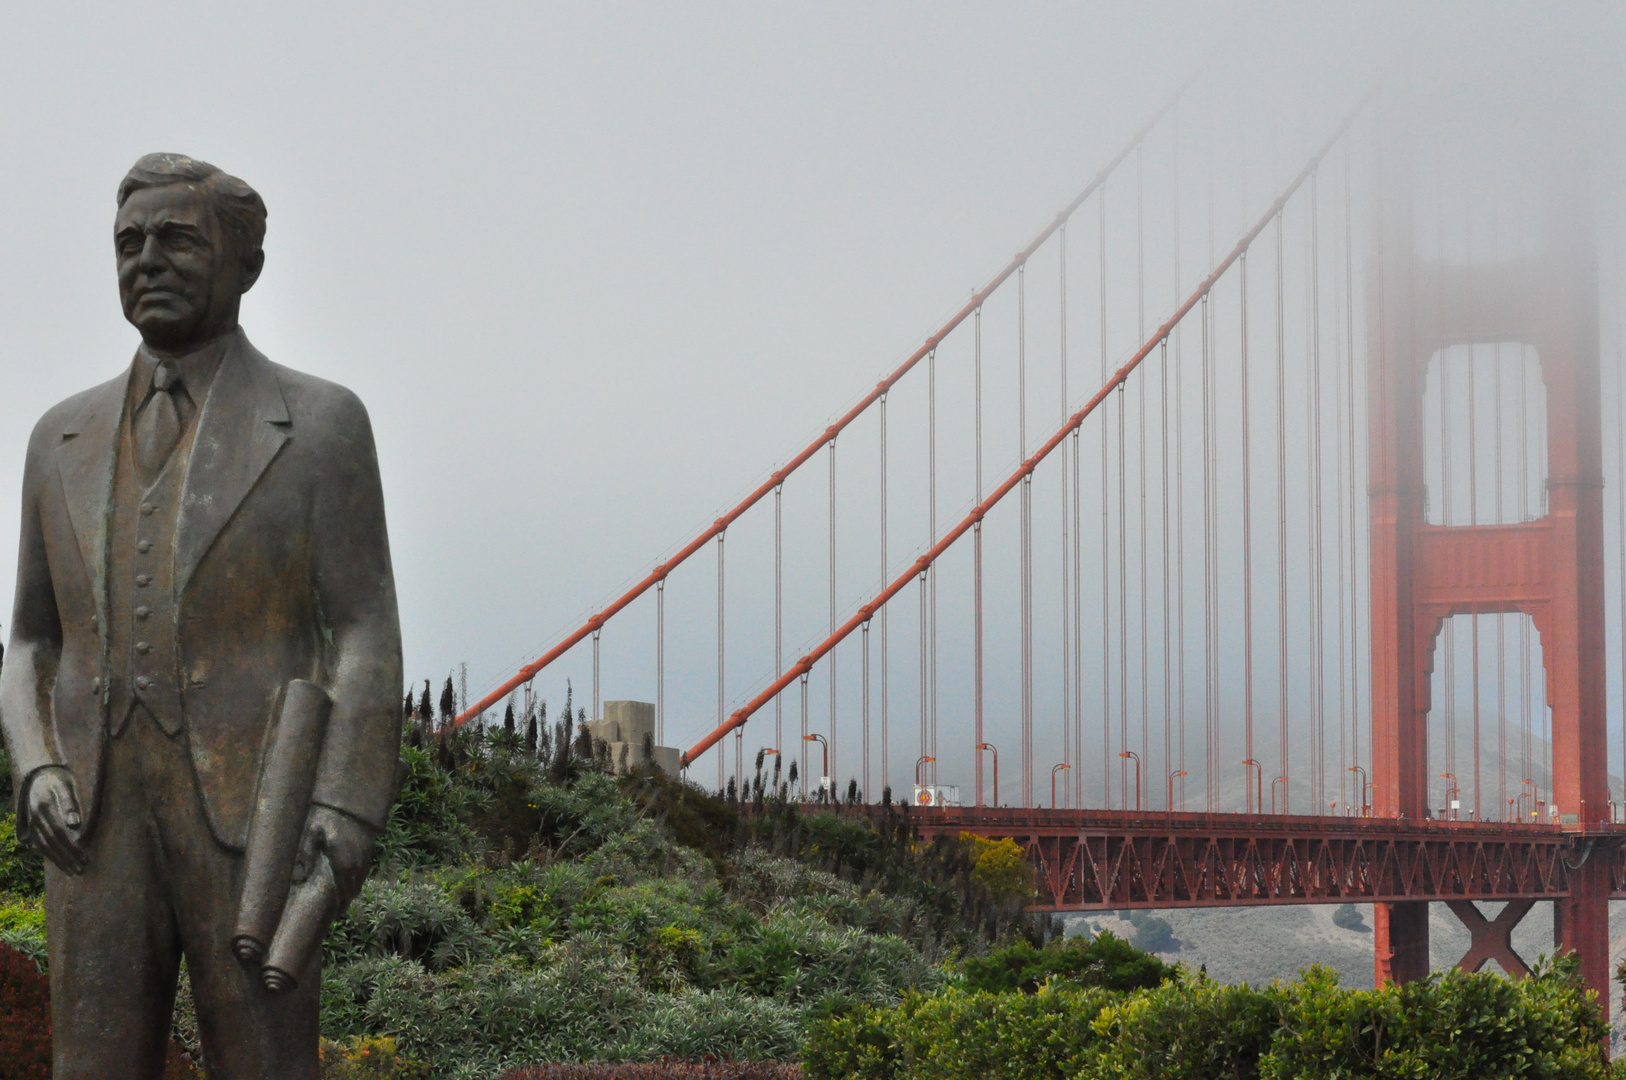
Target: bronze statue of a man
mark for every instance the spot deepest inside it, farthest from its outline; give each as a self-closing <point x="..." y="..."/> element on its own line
<point x="199" y="534"/>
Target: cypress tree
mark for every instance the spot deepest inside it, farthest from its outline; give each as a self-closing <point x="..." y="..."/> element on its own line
<point x="448" y="703"/>
<point x="426" y="709"/>
<point x="508" y="719"/>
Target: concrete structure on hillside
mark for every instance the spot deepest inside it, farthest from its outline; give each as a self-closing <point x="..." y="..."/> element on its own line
<point x="627" y="729"/>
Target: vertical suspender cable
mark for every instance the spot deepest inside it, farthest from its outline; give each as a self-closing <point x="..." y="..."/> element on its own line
<point x="1163" y="430"/>
<point x="722" y="713"/>
<point x="931" y="528"/>
<point x="1247" y="550"/>
<point x="1180" y="559"/>
<point x="802" y="743"/>
<point x="1140" y="404"/>
<point x="886" y="749"/>
<point x="1123" y="600"/>
<point x="660" y="662"/>
<point x="1473" y="491"/>
<point x="832" y="736"/>
<point x="1027" y="535"/>
<point x="1620" y="505"/>
<point x="1525" y="734"/>
<point x="597" y="714"/>
<point x="864" y="771"/>
<point x="1106" y="527"/>
<point x="1066" y="537"/>
<point x="1281" y="520"/>
<point x="1446" y="433"/>
<point x="1317" y="561"/>
<point x="925" y="683"/>
<point x="1340" y="363"/>
<point x="1354" y="459"/>
<point x="976" y="570"/>
<point x="1209" y="770"/>
<point x="779" y="611"/>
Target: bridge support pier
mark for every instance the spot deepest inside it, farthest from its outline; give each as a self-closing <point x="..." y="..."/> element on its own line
<point x="1400" y="941"/>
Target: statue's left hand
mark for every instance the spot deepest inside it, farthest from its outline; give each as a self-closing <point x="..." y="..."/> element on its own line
<point x="348" y="843"/>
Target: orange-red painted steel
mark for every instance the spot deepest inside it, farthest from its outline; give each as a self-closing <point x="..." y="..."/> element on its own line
<point x="805" y="664"/>
<point x="1114" y="859"/>
<point x="1550" y="569"/>
<point x="529" y="671"/>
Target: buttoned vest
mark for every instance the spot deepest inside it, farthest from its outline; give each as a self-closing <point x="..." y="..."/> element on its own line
<point x="144" y="665"/>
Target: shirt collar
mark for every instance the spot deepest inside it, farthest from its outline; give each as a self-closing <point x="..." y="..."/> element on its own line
<point x="197" y="367"/>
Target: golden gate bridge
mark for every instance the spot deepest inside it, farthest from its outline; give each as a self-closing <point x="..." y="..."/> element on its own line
<point x="1309" y="580"/>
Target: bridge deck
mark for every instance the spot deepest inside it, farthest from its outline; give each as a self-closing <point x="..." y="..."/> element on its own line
<point x="1113" y="859"/>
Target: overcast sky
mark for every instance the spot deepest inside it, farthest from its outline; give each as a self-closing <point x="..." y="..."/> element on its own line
<point x="593" y="268"/>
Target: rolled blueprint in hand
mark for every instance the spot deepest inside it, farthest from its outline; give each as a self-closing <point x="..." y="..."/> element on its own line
<point x="281" y="802"/>
<point x="312" y="905"/>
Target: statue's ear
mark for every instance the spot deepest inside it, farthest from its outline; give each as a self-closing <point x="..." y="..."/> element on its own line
<point x="252" y="266"/>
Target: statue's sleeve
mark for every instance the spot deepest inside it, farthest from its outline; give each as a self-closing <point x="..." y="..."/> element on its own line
<point x="36" y="638"/>
<point x="356" y="596"/>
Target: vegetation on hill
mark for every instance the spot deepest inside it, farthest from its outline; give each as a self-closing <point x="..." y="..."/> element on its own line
<point x="531" y="907"/>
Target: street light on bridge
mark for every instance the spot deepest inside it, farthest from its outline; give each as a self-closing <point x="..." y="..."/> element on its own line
<point x="1169" y="806"/>
<point x="988" y="746"/>
<point x="921" y="760"/>
<point x="1259" y="785"/>
<point x="1361" y="797"/>
<point x="824" y="778"/>
<point x="1053" y="770"/>
<point x="1132" y="754"/>
<point x="1453" y="793"/>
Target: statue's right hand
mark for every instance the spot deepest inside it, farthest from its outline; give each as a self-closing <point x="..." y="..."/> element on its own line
<point x="54" y="821"/>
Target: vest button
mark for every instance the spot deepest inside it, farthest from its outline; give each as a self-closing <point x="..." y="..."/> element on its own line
<point x="143" y="580"/>
<point x="142" y="682"/>
<point x="143" y="647"/>
<point x="148" y="508"/>
<point x="144" y="546"/>
<point x="143" y="611"/>
<point x="95" y="686"/>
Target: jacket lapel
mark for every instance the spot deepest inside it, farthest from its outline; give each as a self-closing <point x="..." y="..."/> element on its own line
<point x="241" y="429"/>
<point x="84" y="461"/>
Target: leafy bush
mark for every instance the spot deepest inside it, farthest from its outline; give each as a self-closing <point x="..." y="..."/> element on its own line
<point x="22" y="926"/>
<point x="368" y="1059"/>
<point x="1105" y="961"/>
<point x="22" y="869"/>
<point x="661" y="1070"/>
<point x="1451" y="1026"/>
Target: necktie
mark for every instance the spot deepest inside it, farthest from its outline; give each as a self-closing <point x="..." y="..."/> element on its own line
<point x="158" y="427"/>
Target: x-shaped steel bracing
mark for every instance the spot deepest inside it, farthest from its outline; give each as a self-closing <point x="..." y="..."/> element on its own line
<point x="1492" y="938"/>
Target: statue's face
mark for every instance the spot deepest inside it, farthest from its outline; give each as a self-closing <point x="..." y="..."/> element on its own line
<point x="180" y="277"/>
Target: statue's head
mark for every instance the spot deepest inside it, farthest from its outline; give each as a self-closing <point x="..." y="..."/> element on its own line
<point x="188" y="239"/>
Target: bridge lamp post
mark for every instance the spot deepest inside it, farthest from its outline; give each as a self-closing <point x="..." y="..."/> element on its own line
<point x="1054" y="805"/>
<point x="1132" y="754"/>
<point x="1453" y="793"/>
<point x="1249" y="764"/>
<point x="1362" y="797"/>
<point x="992" y="749"/>
<point x="824" y="776"/>
<point x="1169" y="806"/>
<point x="1282" y="780"/>
<point x="921" y="760"/>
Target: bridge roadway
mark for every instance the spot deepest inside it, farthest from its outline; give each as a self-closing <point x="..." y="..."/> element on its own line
<point x="1089" y="860"/>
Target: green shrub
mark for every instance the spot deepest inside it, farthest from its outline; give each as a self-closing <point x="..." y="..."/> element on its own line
<point x="1195" y="1030"/>
<point x="368" y="1059"/>
<point x="22" y="926"/>
<point x="1450" y="1026"/>
<point x="1104" y="961"/>
<point x="22" y="869"/>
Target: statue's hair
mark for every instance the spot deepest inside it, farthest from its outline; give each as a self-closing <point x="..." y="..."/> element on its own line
<point x="240" y="208"/>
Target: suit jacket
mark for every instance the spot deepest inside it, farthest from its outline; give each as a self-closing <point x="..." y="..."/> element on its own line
<point x="282" y="571"/>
